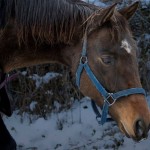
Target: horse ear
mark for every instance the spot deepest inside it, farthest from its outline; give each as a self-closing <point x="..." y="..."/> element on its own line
<point x="107" y="13"/>
<point x="101" y="16"/>
<point x="129" y="11"/>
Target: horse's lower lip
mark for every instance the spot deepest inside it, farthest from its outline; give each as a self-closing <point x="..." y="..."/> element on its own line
<point x="122" y="128"/>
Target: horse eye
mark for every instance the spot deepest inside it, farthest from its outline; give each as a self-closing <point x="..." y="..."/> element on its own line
<point x="108" y="60"/>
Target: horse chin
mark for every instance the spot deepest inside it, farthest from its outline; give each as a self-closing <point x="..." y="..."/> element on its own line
<point x="123" y="129"/>
<point x="126" y="132"/>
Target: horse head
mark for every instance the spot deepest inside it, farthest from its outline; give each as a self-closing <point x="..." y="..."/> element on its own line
<point x="54" y="35"/>
<point x="111" y="54"/>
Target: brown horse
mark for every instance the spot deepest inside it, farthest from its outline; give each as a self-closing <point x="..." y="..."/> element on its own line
<point x="45" y="31"/>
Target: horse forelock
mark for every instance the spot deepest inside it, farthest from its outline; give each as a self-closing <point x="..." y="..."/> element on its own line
<point x="117" y="25"/>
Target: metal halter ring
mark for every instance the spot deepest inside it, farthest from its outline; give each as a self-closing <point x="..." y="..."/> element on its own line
<point x="110" y="95"/>
<point x="83" y="60"/>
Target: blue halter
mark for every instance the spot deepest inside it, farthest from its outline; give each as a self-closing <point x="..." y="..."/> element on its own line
<point x="83" y="65"/>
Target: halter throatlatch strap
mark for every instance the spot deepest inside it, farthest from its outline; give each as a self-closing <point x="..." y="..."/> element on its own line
<point x="8" y="79"/>
<point x="109" y="98"/>
<point x="4" y="99"/>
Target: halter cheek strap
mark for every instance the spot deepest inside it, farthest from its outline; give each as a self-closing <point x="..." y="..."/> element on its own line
<point x="109" y="98"/>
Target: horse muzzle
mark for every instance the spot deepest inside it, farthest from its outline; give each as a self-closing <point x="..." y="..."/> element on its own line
<point x="140" y="130"/>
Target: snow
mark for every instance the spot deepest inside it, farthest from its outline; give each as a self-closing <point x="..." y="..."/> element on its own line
<point x="24" y="73"/>
<point x="147" y="2"/>
<point x="73" y="129"/>
<point x="96" y="2"/>
<point x="100" y="3"/>
<point x="33" y="105"/>
<point x="44" y="79"/>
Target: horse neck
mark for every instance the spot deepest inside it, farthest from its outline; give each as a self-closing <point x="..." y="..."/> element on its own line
<point x="13" y="56"/>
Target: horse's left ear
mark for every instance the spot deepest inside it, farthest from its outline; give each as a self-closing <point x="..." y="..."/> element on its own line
<point x="129" y="11"/>
<point x="107" y="13"/>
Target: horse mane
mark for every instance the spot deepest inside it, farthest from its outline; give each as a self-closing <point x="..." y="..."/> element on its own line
<point x="53" y="21"/>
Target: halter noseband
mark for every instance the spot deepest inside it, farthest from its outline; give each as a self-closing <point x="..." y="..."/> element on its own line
<point x="83" y="65"/>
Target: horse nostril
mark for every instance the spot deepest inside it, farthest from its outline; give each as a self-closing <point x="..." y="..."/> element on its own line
<point x="140" y="130"/>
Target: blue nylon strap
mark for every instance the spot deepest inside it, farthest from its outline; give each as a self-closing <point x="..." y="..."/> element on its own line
<point x="128" y="92"/>
<point x="106" y="95"/>
<point x="104" y="113"/>
<point x="84" y="46"/>
<point x="98" y="86"/>
<point x="89" y="72"/>
<point x="84" y="49"/>
<point x="96" y="83"/>
<point x="98" y="114"/>
<point x="103" y="92"/>
<point x="78" y="74"/>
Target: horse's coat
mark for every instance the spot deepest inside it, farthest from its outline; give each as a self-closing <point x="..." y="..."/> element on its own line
<point x="43" y="31"/>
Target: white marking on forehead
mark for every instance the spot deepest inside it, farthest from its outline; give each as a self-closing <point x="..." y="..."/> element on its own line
<point x="126" y="45"/>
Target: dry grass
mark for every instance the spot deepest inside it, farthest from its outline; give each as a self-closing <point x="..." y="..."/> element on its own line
<point x="60" y="89"/>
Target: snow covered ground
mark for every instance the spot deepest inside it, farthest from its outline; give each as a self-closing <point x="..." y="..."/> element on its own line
<point x="73" y="129"/>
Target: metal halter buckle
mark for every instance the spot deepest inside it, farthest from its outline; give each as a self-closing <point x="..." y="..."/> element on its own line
<point x="113" y="100"/>
<point x="83" y="60"/>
